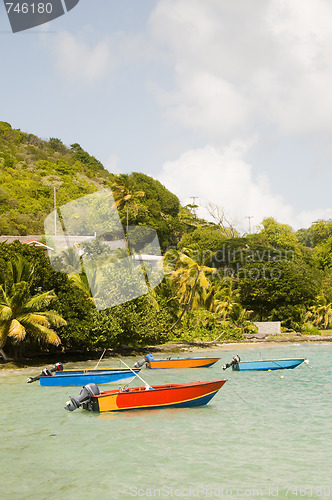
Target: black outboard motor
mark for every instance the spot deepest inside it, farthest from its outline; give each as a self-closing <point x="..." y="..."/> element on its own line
<point x="234" y="362"/>
<point x="58" y="367"/>
<point x="146" y="359"/>
<point x="85" y="395"/>
<point x="138" y="364"/>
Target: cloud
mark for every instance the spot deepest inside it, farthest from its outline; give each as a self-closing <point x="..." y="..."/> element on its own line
<point x="239" y="65"/>
<point x="225" y="178"/>
<point x="204" y="102"/>
<point x="112" y="164"/>
<point x="77" y="60"/>
<point x="241" y="70"/>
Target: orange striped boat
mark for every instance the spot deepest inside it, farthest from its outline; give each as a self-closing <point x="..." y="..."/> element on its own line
<point x="175" y="362"/>
<point x="135" y="398"/>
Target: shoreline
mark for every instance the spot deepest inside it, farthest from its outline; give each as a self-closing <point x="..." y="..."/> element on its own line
<point x="229" y="346"/>
<point x="174" y="347"/>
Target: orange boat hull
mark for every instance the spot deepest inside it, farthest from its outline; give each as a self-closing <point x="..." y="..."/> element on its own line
<point x="181" y="363"/>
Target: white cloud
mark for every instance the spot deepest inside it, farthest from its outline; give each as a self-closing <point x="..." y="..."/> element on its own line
<point x="248" y="69"/>
<point x="239" y="65"/>
<point x="204" y="102"/>
<point x="112" y="164"/>
<point x="225" y="178"/>
<point x="77" y="60"/>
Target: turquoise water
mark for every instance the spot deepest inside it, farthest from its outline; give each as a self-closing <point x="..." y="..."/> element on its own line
<point x="260" y="437"/>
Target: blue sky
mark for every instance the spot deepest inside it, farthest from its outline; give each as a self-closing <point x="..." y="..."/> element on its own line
<point x="227" y="101"/>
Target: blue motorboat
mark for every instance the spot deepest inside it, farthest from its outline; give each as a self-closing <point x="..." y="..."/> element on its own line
<point x="57" y="376"/>
<point x="263" y="364"/>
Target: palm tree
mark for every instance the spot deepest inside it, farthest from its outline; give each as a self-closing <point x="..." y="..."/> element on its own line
<point x="226" y="299"/>
<point x="23" y="314"/>
<point x="223" y="299"/>
<point x="321" y="314"/>
<point x="91" y="287"/>
<point x="188" y="274"/>
<point x="69" y="260"/>
<point x="125" y="194"/>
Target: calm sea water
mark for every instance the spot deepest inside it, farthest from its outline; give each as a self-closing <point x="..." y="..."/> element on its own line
<point x="261" y="436"/>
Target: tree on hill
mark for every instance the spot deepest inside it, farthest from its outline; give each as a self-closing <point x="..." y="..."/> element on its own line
<point x="163" y="201"/>
<point x="159" y="209"/>
<point x="57" y="145"/>
<point x="322" y="254"/>
<point x="278" y="235"/>
<point x="320" y="231"/>
<point x="273" y="286"/>
<point x="225" y="224"/>
<point x="126" y="194"/>
<point x="204" y="237"/>
<point x="84" y="157"/>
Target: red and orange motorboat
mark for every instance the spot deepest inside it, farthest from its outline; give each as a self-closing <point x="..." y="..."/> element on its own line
<point x="164" y="363"/>
<point x="134" y="398"/>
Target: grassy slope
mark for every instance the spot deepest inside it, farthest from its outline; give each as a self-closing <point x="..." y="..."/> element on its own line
<point x="29" y="169"/>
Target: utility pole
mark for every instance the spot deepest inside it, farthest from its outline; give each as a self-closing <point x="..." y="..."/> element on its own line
<point x="54" y="195"/>
<point x="194" y="204"/>
<point x="249" y="217"/>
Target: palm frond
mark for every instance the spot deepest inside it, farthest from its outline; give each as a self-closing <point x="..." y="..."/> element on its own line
<point x="40" y="300"/>
<point x="34" y="319"/>
<point x="4" y="328"/>
<point x="16" y="330"/>
<point x="19" y="269"/>
<point x="54" y="318"/>
<point x="45" y="334"/>
<point x="81" y="281"/>
<point x="4" y="299"/>
<point x="203" y="281"/>
<point x="5" y="313"/>
<point x="19" y="294"/>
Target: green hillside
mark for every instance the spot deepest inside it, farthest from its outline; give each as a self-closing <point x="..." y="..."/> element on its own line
<point x="31" y="167"/>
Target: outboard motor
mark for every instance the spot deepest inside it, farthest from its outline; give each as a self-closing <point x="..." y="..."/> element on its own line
<point x="146" y="359"/>
<point x="234" y="362"/>
<point x="138" y="364"/>
<point x="85" y="395"/>
<point x="58" y="367"/>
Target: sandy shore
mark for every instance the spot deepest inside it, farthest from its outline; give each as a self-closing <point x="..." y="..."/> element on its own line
<point x="127" y="352"/>
<point x="231" y="346"/>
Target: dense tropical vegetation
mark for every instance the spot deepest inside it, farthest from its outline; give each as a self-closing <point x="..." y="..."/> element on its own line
<point x="215" y="279"/>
